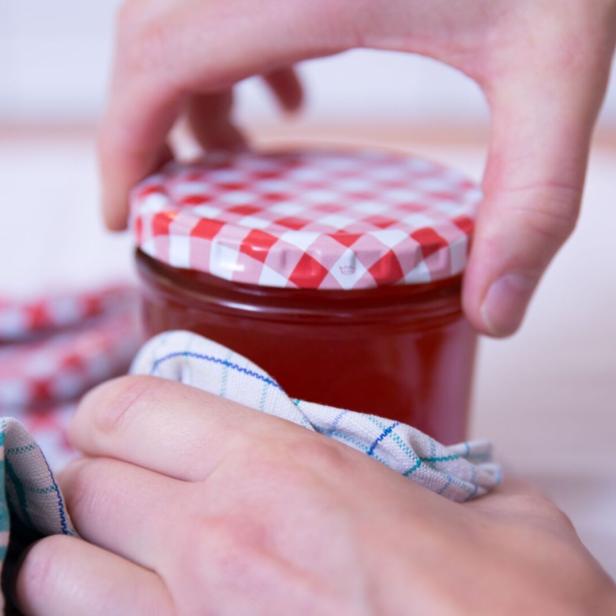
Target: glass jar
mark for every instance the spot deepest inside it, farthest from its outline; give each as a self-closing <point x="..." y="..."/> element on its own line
<point x="396" y="344"/>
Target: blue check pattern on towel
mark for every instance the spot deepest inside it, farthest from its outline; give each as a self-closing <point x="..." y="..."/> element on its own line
<point x="32" y="505"/>
<point x="33" y="501"/>
<point x="460" y="472"/>
<point x="31" y="495"/>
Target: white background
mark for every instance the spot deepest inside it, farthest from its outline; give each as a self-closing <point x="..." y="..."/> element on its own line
<point x="54" y="59"/>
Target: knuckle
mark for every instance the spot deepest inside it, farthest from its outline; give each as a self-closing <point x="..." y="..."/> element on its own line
<point x="554" y="227"/>
<point x="40" y="569"/>
<point x="121" y="400"/>
<point x="319" y="452"/>
<point x="551" y="216"/>
<point x="78" y="480"/>
<point x="294" y="455"/>
<point x="304" y="468"/>
<point x="536" y="504"/>
<point x="266" y="466"/>
<point x="552" y="512"/>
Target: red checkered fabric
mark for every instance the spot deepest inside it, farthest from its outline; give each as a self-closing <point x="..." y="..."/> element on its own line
<point x="63" y="366"/>
<point x="28" y="319"/>
<point x="313" y="219"/>
<point x="66" y="361"/>
<point x="54" y="348"/>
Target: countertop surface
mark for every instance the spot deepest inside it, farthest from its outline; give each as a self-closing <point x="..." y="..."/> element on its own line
<point x="546" y="397"/>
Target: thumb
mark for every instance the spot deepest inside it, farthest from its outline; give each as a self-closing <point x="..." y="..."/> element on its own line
<point x="533" y="185"/>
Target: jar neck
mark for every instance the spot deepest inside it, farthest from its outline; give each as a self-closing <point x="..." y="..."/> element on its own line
<point x="434" y="300"/>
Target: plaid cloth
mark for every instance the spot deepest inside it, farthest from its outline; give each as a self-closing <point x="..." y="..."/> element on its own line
<point x="57" y="347"/>
<point x="459" y="472"/>
<point x="33" y="505"/>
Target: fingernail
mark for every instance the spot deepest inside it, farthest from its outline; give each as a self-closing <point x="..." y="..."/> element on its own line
<point x="505" y="302"/>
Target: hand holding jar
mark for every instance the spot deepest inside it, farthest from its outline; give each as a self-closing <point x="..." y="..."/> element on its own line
<point x="181" y="513"/>
<point x="543" y="68"/>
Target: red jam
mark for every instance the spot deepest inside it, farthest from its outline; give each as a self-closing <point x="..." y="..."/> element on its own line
<point x="404" y="351"/>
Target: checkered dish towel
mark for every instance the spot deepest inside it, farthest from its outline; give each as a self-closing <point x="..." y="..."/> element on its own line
<point x="34" y="505"/>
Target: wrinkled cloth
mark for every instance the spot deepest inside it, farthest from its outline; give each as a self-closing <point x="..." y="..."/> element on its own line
<point x="33" y="506"/>
<point x="459" y="472"/>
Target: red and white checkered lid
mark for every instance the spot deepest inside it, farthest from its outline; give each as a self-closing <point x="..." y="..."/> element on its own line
<point x="308" y="219"/>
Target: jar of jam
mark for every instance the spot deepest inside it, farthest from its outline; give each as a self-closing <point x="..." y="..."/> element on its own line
<point x="337" y="272"/>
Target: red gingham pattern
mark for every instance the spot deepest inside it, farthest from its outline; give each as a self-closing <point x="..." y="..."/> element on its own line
<point x="313" y="219"/>
<point x="62" y="364"/>
<point x="28" y="319"/>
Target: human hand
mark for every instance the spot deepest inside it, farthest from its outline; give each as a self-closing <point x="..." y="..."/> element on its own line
<point x="191" y="504"/>
<point x="543" y="67"/>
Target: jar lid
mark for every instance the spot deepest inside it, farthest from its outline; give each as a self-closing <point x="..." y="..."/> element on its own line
<point x="308" y="219"/>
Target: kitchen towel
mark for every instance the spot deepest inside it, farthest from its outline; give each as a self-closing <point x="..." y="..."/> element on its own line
<point x="32" y="506"/>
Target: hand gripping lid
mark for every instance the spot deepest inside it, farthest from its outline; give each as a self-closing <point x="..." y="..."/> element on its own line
<point x="308" y="219"/>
